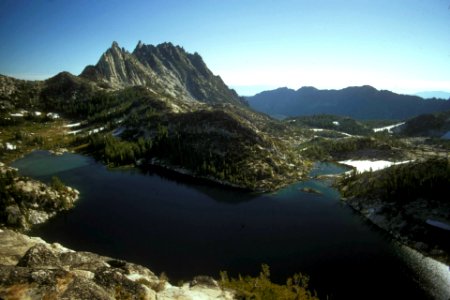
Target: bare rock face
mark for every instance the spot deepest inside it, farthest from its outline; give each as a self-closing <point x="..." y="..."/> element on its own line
<point x="33" y="269"/>
<point x="14" y="245"/>
<point x="118" y="68"/>
<point x="165" y="68"/>
<point x="25" y="202"/>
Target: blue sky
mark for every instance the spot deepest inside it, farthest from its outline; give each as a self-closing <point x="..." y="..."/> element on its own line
<point x="400" y="45"/>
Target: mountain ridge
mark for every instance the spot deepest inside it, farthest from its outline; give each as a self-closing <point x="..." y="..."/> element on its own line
<point x="164" y="67"/>
<point x="160" y="105"/>
<point x="362" y="102"/>
<point x="434" y="94"/>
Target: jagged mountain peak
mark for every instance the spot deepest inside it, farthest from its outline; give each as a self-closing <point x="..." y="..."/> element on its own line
<point x="116" y="68"/>
<point x="115" y="45"/>
<point x="140" y="44"/>
<point x="165" y="67"/>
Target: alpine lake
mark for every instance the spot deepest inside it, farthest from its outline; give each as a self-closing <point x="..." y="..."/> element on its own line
<point x="186" y="227"/>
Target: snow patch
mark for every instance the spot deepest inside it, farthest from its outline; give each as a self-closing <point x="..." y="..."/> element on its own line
<point x="336" y="123"/>
<point x="74" y="132"/>
<point x="388" y="128"/>
<point x="53" y="115"/>
<point x="345" y="133"/>
<point x="95" y="130"/>
<point x="72" y="125"/>
<point x="367" y="165"/>
<point x="10" y="146"/>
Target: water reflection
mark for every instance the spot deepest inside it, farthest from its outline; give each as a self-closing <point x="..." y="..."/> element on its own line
<point x="432" y="275"/>
<point x="211" y="189"/>
<point x="187" y="228"/>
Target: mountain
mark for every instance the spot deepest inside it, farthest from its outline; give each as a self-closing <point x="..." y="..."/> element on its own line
<point x="164" y="67"/>
<point x="160" y="105"/>
<point x="434" y="94"/>
<point x="364" y="102"/>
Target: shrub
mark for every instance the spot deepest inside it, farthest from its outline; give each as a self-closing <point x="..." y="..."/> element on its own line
<point x="261" y="287"/>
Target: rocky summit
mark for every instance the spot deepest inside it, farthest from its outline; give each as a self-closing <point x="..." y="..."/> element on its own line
<point x="164" y="67"/>
<point x="162" y="105"/>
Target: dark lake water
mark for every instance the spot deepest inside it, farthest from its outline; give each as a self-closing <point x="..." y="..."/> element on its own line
<point x="186" y="228"/>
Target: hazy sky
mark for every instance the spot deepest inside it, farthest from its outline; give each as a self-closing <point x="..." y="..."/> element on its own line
<point x="401" y="45"/>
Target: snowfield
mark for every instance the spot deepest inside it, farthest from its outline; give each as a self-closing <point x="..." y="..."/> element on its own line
<point x="388" y="128"/>
<point x="367" y="165"/>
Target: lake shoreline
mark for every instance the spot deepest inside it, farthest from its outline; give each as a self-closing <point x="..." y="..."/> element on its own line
<point x="243" y="225"/>
<point x="410" y="222"/>
<point x="373" y="213"/>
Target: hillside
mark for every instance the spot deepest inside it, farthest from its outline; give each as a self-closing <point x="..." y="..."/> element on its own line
<point x="408" y="200"/>
<point x="224" y="143"/>
<point x="345" y="125"/>
<point x="431" y="125"/>
<point x="363" y="102"/>
<point x="160" y="105"/>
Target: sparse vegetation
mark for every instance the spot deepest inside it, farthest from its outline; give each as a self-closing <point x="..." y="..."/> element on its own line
<point x="401" y="183"/>
<point x="434" y="125"/>
<point x="261" y="288"/>
<point x="383" y="144"/>
<point x="57" y="184"/>
<point x="331" y="122"/>
<point x="210" y="143"/>
<point x="28" y="135"/>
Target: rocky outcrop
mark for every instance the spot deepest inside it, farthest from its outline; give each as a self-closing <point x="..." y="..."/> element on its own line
<point x="30" y="268"/>
<point x="118" y="68"/>
<point x="25" y="202"/>
<point x="164" y="68"/>
<point x="189" y="71"/>
<point x="33" y="269"/>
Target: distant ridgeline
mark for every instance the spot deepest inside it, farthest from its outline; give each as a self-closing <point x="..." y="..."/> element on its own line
<point x="363" y="102"/>
<point x="162" y="105"/>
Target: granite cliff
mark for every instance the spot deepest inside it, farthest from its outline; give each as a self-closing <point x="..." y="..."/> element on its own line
<point x="164" y="67"/>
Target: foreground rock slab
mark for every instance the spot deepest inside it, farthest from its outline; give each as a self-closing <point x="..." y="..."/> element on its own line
<point x="30" y="268"/>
